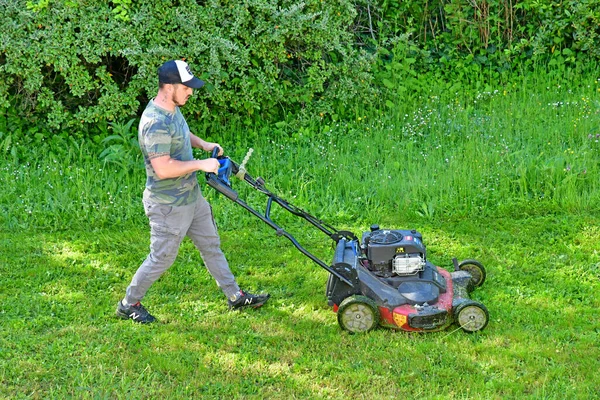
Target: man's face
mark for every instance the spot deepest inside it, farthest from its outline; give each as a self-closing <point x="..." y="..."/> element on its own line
<point x="181" y="94"/>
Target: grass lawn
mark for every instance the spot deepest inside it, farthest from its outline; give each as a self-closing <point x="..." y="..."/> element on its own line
<point x="507" y="176"/>
<point x="59" y="336"/>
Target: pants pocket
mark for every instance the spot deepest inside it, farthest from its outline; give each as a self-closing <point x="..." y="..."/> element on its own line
<point x="163" y="219"/>
<point x="164" y="229"/>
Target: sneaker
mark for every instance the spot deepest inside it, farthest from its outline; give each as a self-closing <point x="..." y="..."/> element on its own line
<point x="136" y="312"/>
<point x="243" y="299"/>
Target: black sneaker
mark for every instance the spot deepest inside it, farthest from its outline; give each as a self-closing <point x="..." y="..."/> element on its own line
<point x="136" y="312"/>
<point x="244" y="299"/>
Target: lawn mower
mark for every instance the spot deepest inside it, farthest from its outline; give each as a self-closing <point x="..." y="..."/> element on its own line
<point x="382" y="279"/>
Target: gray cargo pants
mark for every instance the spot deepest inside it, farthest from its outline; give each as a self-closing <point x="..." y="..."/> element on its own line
<point x="168" y="226"/>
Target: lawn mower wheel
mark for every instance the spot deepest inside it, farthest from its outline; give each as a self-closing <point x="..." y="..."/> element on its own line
<point x="358" y="314"/>
<point x="472" y="316"/>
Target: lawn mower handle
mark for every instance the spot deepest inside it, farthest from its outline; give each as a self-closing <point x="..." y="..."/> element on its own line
<point x="215" y="152"/>
<point x="220" y="181"/>
<point x="222" y="184"/>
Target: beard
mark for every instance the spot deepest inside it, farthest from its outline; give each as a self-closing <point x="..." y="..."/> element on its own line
<point x="177" y="100"/>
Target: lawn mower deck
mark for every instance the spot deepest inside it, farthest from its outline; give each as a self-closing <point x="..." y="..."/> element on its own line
<point x="384" y="278"/>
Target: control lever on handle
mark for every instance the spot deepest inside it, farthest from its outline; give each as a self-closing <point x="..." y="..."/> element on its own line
<point x="220" y="181"/>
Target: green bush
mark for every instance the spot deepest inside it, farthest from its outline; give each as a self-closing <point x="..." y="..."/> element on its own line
<point x="80" y="62"/>
<point x="497" y="34"/>
<point x="73" y="63"/>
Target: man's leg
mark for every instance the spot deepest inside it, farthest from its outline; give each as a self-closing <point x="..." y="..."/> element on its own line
<point x="203" y="233"/>
<point x="167" y="229"/>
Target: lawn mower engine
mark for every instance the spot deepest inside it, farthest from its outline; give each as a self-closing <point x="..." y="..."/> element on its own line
<point x="394" y="285"/>
<point x="394" y="253"/>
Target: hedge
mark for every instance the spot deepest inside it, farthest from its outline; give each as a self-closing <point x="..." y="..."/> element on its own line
<point x="85" y="61"/>
<point x="73" y="62"/>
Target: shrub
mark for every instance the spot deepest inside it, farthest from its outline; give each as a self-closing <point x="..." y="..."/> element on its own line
<point x="498" y="34"/>
<point x="75" y="62"/>
<point x="80" y="62"/>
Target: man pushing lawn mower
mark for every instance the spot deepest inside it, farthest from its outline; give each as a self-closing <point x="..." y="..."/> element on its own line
<point x="383" y="279"/>
<point x="172" y="199"/>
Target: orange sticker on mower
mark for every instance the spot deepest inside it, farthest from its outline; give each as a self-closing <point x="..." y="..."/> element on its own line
<point x="400" y="319"/>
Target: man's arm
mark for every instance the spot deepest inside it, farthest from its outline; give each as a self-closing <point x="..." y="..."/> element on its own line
<point x="167" y="167"/>
<point x="204" y="145"/>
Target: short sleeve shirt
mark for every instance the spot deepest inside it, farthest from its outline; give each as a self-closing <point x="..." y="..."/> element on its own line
<point x="165" y="133"/>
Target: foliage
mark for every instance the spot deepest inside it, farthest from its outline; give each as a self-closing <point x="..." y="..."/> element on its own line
<point x="122" y="148"/>
<point x="71" y="63"/>
<point x="507" y="174"/>
<point x="468" y="36"/>
<point x="528" y="147"/>
<point x="80" y="62"/>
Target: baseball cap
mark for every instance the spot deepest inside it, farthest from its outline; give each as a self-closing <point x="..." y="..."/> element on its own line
<point x="177" y="71"/>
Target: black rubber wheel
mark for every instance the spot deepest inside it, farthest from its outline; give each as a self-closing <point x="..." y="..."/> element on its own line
<point x="476" y="269"/>
<point x="357" y="314"/>
<point x="472" y="316"/>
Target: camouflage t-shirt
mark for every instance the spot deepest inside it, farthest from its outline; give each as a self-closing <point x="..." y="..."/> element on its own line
<point x="162" y="133"/>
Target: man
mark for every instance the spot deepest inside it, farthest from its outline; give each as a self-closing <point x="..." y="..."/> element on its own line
<point x="172" y="199"/>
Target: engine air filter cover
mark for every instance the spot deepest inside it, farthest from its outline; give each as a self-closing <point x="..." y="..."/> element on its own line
<point x="385" y="237"/>
<point x="383" y="245"/>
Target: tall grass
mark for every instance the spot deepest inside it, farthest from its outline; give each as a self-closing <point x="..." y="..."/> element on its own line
<point x="516" y="150"/>
<point x="61" y="183"/>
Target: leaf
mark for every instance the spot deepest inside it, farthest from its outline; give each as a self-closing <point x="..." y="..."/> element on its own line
<point x="6" y="143"/>
<point x="116" y="138"/>
<point x="388" y="84"/>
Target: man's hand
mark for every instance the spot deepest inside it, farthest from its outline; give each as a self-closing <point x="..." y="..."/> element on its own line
<point x="210" y="165"/>
<point x="211" y="147"/>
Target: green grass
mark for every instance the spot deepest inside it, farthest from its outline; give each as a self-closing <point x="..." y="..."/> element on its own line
<point x="507" y="176"/>
<point x="511" y="151"/>
<point x="59" y="336"/>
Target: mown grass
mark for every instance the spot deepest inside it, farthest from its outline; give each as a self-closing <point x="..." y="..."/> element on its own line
<point x="60" y="337"/>
<point x="507" y="176"/>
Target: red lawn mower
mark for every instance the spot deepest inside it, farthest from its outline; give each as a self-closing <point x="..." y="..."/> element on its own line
<point x="382" y="279"/>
